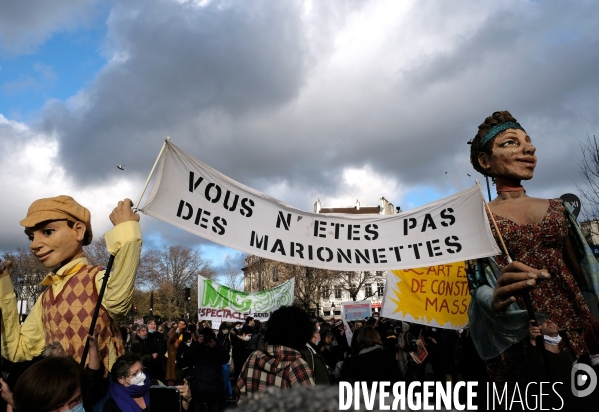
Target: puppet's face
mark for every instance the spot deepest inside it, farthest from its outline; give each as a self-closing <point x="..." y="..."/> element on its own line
<point x="55" y="243"/>
<point x="513" y="156"/>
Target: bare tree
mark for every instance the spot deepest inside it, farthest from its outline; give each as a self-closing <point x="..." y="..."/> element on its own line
<point x="232" y="278"/>
<point x="352" y="282"/>
<point x="168" y="272"/>
<point x="309" y="283"/>
<point x="96" y="252"/>
<point x="26" y="274"/>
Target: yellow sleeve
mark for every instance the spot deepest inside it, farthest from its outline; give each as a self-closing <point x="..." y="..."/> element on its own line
<point x="19" y="343"/>
<point x="124" y="240"/>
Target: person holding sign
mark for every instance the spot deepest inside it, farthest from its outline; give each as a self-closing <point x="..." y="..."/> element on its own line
<point x="551" y="260"/>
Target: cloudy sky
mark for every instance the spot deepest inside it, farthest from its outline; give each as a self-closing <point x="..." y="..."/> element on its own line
<point x="337" y="100"/>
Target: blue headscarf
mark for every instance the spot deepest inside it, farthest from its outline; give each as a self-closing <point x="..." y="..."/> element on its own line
<point x="498" y="128"/>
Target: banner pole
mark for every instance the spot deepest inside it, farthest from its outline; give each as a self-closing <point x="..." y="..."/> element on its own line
<point x="92" y="326"/>
<point x="525" y="295"/>
<point x="136" y="208"/>
<point x="507" y="254"/>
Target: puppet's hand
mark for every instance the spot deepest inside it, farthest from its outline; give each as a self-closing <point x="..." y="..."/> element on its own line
<point x="123" y="213"/>
<point x="5" y="268"/>
<point x="513" y="279"/>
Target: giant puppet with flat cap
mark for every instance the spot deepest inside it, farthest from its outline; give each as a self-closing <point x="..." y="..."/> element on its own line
<point x="58" y="228"/>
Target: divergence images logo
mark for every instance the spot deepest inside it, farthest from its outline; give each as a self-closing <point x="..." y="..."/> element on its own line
<point x="583" y="380"/>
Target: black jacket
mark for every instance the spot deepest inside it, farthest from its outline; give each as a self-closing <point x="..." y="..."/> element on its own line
<point x="208" y="367"/>
<point x="370" y="365"/>
<point x="315" y="360"/>
<point x="241" y="352"/>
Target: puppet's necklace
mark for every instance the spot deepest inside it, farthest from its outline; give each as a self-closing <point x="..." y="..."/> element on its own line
<point x="505" y="185"/>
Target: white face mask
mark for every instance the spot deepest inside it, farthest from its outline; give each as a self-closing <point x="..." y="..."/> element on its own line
<point x="246" y="338"/>
<point x="188" y="343"/>
<point x="138" y="380"/>
<point x="225" y="331"/>
<point x="237" y="327"/>
<point x="317" y="342"/>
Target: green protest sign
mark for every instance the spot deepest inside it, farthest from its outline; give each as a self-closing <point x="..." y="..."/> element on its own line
<point x="219" y="302"/>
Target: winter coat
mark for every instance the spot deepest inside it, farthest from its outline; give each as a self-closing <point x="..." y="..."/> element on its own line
<point x="370" y="365"/>
<point x="315" y="360"/>
<point x="208" y="367"/>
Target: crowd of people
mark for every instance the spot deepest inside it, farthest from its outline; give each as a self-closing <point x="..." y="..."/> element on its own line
<point x="218" y="369"/>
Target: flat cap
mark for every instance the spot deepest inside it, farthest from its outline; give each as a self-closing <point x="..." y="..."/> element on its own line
<point x="58" y="208"/>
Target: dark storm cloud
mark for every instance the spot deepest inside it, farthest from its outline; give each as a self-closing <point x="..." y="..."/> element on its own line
<point x="539" y="65"/>
<point x="275" y="95"/>
<point x="25" y="24"/>
<point x="228" y="82"/>
<point x="173" y="63"/>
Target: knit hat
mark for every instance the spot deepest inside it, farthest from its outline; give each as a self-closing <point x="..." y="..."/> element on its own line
<point x="591" y="338"/>
<point x="58" y="208"/>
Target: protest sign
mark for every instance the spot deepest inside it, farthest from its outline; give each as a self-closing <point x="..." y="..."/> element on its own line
<point x="436" y="295"/>
<point x="356" y="310"/>
<point x="215" y="324"/>
<point x="220" y="303"/>
<point x="191" y="195"/>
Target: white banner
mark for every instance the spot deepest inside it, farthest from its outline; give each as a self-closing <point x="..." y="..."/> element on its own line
<point x="191" y="195"/>
<point x="220" y="303"/>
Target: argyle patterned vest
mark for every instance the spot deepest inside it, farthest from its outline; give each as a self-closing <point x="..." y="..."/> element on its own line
<point x="68" y="315"/>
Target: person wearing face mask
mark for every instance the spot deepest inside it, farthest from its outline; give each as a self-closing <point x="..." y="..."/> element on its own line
<point x="224" y="338"/>
<point x="257" y="339"/>
<point x="156" y="346"/>
<point x="130" y="389"/>
<point x="237" y="328"/>
<point x="35" y="390"/>
<point x="207" y="357"/>
<point x="182" y="350"/>
<point x="241" y="348"/>
<point x="314" y="358"/>
<point x="80" y="390"/>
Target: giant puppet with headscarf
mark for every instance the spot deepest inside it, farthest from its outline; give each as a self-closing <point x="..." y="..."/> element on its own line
<point x="57" y="229"/>
<point x="553" y="267"/>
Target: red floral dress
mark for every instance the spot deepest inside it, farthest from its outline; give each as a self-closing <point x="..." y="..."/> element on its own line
<point x="541" y="246"/>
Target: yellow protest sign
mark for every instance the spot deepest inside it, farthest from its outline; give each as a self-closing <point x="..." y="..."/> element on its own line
<point x="435" y="295"/>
